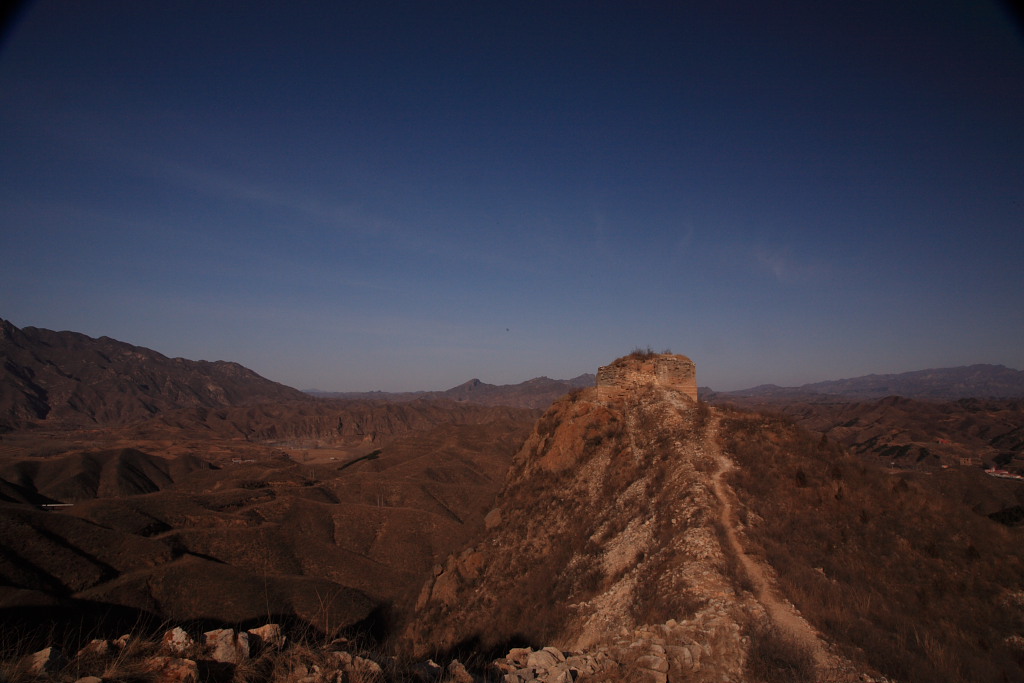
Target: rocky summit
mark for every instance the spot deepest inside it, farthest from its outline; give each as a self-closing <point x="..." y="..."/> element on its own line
<point x="612" y="542"/>
<point x="618" y="550"/>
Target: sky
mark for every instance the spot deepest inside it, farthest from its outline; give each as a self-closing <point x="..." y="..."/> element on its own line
<point x="401" y="196"/>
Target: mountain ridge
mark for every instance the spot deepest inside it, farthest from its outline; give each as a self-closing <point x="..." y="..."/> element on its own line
<point x="49" y="377"/>
<point x="538" y="392"/>
<point x="980" y="380"/>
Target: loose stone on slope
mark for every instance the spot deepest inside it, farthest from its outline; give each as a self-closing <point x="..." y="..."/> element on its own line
<point x="227" y="646"/>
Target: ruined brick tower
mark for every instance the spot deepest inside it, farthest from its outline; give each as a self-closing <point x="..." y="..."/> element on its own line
<point x="668" y="370"/>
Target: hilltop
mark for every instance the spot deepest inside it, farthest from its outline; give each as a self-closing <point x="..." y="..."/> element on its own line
<point x="651" y="537"/>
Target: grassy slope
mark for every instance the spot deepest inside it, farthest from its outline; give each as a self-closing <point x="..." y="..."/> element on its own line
<point x="927" y="589"/>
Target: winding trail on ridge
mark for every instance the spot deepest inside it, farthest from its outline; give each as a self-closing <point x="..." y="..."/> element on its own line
<point x="782" y="614"/>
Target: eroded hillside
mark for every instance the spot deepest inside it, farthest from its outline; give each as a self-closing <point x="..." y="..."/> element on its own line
<point x="655" y="538"/>
<point x="322" y="512"/>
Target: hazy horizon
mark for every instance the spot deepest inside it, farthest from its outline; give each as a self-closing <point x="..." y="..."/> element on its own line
<point x="360" y="196"/>
<point x="562" y="377"/>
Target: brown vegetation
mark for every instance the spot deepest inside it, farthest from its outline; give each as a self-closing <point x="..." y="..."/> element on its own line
<point x="643" y="353"/>
<point x="915" y="434"/>
<point x="883" y="564"/>
<point x="777" y="658"/>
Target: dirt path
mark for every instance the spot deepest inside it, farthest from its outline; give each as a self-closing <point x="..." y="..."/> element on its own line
<point x="782" y="613"/>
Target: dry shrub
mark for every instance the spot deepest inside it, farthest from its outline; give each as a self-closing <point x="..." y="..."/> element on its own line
<point x="732" y="568"/>
<point x="15" y="671"/>
<point x="777" y="658"/>
<point x="129" y="665"/>
<point x="701" y="413"/>
<point x="641" y="353"/>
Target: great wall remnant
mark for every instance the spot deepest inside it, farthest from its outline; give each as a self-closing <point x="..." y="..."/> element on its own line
<point x="672" y="371"/>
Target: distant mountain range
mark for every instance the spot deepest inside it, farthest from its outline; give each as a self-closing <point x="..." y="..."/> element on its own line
<point x="969" y="381"/>
<point x="70" y="378"/>
<point x="948" y="384"/>
<point x="538" y="392"/>
<point x="73" y="379"/>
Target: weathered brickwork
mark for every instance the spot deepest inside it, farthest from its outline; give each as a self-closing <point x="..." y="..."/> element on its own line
<point x="667" y="370"/>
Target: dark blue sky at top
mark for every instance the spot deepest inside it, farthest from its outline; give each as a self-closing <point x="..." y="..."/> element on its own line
<point x="401" y="196"/>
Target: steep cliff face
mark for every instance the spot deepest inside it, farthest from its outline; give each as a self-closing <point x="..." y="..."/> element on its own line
<point x="611" y="536"/>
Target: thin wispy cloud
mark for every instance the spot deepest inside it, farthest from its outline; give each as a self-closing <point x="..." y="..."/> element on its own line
<point x="786" y="267"/>
<point x="97" y="139"/>
<point x="346" y="216"/>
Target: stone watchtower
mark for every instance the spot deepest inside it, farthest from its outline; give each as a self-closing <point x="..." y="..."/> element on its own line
<point x="672" y="371"/>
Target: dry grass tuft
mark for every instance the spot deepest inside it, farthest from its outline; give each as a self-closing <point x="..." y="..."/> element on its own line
<point x="776" y="658"/>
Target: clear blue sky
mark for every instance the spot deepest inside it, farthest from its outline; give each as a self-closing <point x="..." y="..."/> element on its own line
<point x="405" y="195"/>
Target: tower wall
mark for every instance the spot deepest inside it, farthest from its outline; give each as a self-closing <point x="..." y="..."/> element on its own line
<point x="667" y="370"/>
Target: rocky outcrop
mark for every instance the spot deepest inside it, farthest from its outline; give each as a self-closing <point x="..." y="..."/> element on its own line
<point x="606" y="522"/>
<point x="227" y="646"/>
<point x="709" y="648"/>
<point x="262" y="654"/>
<point x="611" y="550"/>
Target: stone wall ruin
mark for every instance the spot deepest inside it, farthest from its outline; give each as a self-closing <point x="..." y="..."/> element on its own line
<point x="671" y="371"/>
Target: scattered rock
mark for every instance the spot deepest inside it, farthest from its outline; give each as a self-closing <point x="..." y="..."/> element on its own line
<point x="343" y="660"/>
<point x="648" y="676"/>
<point x="542" y="659"/>
<point x="365" y="670"/>
<point x="172" y="670"/>
<point x="177" y="641"/>
<point x="94" y="648"/>
<point x="457" y="673"/>
<point x="493" y="519"/>
<point x="518" y="656"/>
<point x="653" y="662"/>
<point x="227" y="646"/>
<point x="267" y="636"/>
